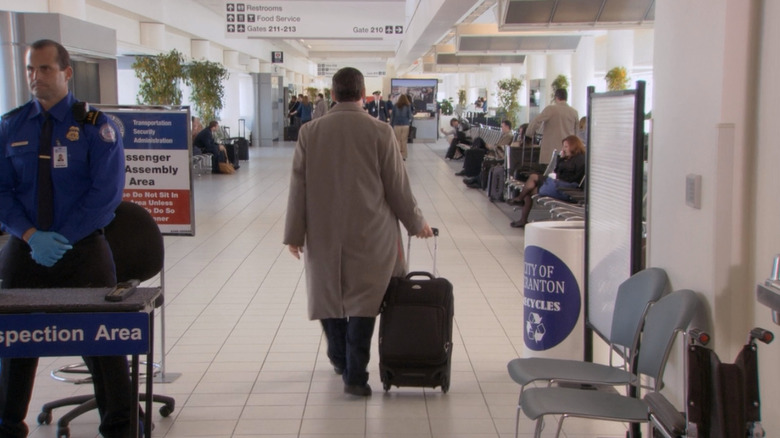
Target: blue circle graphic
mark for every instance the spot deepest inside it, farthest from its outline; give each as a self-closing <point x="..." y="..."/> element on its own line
<point x="551" y="299"/>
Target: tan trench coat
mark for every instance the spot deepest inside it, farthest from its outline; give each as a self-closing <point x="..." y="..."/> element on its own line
<point x="560" y="121"/>
<point x="348" y="190"/>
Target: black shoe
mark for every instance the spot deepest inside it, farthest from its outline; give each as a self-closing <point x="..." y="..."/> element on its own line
<point x="518" y="202"/>
<point x="337" y="369"/>
<point x="518" y="224"/>
<point x="358" y="390"/>
<point x="474" y="185"/>
<point x="469" y="180"/>
<point x="461" y="173"/>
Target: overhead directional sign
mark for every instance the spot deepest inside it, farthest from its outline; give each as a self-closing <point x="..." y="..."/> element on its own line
<point x="314" y="19"/>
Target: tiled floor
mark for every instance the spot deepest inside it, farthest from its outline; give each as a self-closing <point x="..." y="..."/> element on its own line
<point x="252" y="364"/>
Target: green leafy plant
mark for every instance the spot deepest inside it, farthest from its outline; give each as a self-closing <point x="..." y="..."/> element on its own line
<point x="446" y="106"/>
<point x="560" y="82"/>
<point x="205" y="78"/>
<point x="160" y="76"/>
<point x="312" y="93"/>
<point x="326" y="92"/>
<point x="507" y="99"/>
<point x="461" y="97"/>
<point x="617" y="79"/>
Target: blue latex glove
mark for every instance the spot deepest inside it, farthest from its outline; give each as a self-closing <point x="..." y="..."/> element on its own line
<point x="48" y="247"/>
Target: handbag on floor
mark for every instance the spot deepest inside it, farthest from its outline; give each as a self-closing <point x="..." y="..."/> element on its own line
<point x="226" y="168"/>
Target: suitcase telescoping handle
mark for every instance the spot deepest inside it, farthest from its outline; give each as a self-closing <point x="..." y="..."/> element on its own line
<point x="435" y="251"/>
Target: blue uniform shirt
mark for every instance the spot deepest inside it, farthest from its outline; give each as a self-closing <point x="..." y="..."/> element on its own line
<point x="88" y="173"/>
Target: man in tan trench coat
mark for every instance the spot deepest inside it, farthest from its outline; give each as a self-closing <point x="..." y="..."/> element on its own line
<point x="348" y="190"/>
<point x="560" y="121"/>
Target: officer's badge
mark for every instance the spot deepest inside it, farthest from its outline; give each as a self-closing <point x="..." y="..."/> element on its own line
<point x="73" y="133"/>
<point x="107" y="133"/>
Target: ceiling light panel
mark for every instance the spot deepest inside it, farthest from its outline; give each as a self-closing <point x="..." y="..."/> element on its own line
<point x="577" y="11"/>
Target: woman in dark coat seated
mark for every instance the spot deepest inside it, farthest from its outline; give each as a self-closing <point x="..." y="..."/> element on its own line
<point x="569" y="172"/>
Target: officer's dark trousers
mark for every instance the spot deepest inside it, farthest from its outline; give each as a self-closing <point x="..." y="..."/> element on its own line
<point x="349" y="346"/>
<point x="88" y="264"/>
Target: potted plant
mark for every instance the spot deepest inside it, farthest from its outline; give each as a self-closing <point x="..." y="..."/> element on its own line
<point x="507" y="98"/>
<point x="312" y="93"/>
<point x="205" y="78"/>
<point x="160" y="76"/>
<point x="560" y="82"/>
<point x="617" y="79"/>
<point x="326" y="92"/>
<point x="446" y="107"/>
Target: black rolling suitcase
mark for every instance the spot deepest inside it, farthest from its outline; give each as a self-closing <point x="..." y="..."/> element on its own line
<point x="242" y="142"/>
<point x="232" y="154"/>
<point x="291" y="133"/>
<point x="243" y="148"/>
<point x="415" y="330"/>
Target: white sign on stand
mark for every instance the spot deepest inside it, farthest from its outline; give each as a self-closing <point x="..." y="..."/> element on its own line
<point x="157" y="163"/>
<point x="314" y="20"/>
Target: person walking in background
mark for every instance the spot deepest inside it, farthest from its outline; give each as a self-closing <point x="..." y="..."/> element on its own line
<point x="379" y="108"/>
<point x="320" y="107"/>
<point x="305" y="110"/>
<point x="401" y="120"/>
<point x="348" y="191"/>
<point x="560" y="121"/>
<point x="55" y="213"/>
<point x="292" y="109"/>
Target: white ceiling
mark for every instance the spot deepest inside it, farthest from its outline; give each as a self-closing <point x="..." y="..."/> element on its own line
<point x="482" y="32"/>
<point x="324" y="50"/>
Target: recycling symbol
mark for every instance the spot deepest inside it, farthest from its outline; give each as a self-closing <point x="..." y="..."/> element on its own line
<point x="534" y="328"/>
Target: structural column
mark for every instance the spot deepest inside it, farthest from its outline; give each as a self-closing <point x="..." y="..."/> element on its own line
<point x="153" y="36"/>
<point x="71" y="8"/>
<point x="200" y="49"/>
<point x="620" y="50"/>
<point x="583" y="74"/>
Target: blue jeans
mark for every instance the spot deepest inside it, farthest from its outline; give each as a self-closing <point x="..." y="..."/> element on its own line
<point x="349" y="346"/>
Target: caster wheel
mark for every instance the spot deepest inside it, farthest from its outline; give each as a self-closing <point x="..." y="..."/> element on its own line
<point x="44" y="418"/>
<point x="386" y="387"/>
<point x="63" y="432"/>
<point x="166" y="410"/>
<point x="445" y="385"/>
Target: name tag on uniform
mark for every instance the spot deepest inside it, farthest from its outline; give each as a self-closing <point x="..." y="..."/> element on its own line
<point x="19" y="143"/>
<point x="60" y="156"/>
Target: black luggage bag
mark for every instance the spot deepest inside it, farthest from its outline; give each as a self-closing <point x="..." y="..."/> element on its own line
<point x="415" y="330"/>
<point x="232" y="154"/>
<point x="291" y="133"/>
<point x="243" y="148"/>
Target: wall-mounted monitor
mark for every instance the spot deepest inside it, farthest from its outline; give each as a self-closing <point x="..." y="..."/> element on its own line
<point x="421" y="92"/>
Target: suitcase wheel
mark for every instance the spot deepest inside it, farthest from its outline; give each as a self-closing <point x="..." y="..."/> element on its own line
<point x="445" y="384"/>
<point x="386" y="386"/>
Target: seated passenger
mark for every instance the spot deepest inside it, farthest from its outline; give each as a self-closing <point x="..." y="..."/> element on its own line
<point x="569" y="172"/>
<point x="493" y="154"/>
<point x="458" y="136"/>
<point x="205" y="141"/>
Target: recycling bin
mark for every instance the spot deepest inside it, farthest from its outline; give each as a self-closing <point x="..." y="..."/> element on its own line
<point x="553" y="289"/>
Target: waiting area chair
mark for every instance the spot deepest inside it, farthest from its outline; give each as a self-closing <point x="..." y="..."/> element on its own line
<point x="139" y="253"/>
<point x="634" y="297"/>
<point x="670" y="315"/>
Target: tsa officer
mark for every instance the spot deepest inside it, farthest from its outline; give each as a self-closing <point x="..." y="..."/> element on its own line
<point x="61" y="178"/>
<point x="378" y="108"/>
